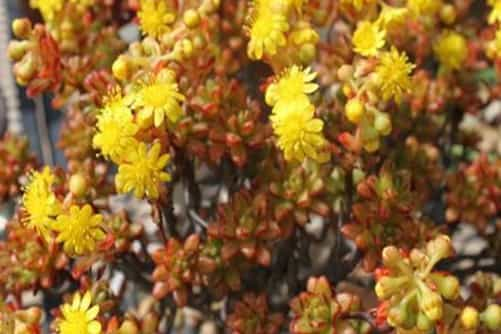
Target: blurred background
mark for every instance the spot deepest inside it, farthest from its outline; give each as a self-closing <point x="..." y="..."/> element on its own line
<point x="18" y="114"/>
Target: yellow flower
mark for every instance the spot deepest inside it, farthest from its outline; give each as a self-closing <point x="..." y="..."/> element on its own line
<point x="80" y="230"/>
<point x="48" y="8"/>
<point x="158" y="97"/>
<point x="299" y="133"/>
<point x="293" y="84"/>
<point x="495" y="14"/>
<point x="40" y="203"/>
<point x="451" y="50"/>
<point x="424" y="7"/>
<point x="392" y="17"/>
<point x="143" y="172"/>
<point x="368" y="39"/>
<point x="266" y="30"/>
<point x="155" y="17"/>
<point x="79" y="317"/>
<point x="115" y="128"/>
<point x="393" y="74"/>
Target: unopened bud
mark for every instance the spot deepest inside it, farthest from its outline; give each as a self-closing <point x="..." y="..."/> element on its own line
<point x="307" y="53"/>
<point x="150" y="323"/>
<point x="128" y="327"/>
<point x="372" y="145"/>
<point x="16" y="50"/>
<point x="21" y="27"/>
<point x="382" y="123"/>
<point x="430" y="303"/>
<point x="78" y="185"/>
<point x="398" y="315"/>
<point x="388" y="286"/>
<point x="30" y="316"/>
<point x="354" y="110"/>
<point x="191" y="18"/>
<point x="424" y="323"/>
<point x="345" y="72"/>
<point x="447" y="285"/>
<point x="448" y="14"/>
<point x="391" y="256"/>
<point x="187" y="47"/>
<point x="440" y="247"/>
<point x="418" y="258"/>
<point x="25" y="69"/>
<point x="469" y="318"/>
<point x="491" y="317"/>
<point x="121" y="68"/>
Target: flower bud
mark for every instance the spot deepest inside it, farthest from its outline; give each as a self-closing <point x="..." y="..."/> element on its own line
<point x="21" y="27"/>
<point x="430" y="303"/>
<point x="121" y="68"/>
<point x="447" y="285"/>
<point x="345" y="72"/>
<point x="25" y="69"/>
<point x="418" y="258"/>
<point x="398" y="315"/>
<point x="307" y="53"/>
<point x="440" y="247"/>
<point x="150" y="323"/>
<point x="424" y="323"/>
<point x="78" y="185"/>
<point x="391" y="256"/>
<point x="191" y="18"/>
<point x="372" y="145"/>
<point x="16" y="50"/>
<point x="128" y="327"/>
<point x="382" y="123"/>
<point x="469" y="318"/>
<point x="491" y="317"/>
<point x="187" y="47"/>
<point x="354" y="110"/>
<point x="388" y="286"/>
<point x="448" y="14"/>
<point x="30" y="316"/>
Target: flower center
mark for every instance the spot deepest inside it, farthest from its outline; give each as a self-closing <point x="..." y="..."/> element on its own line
<point x="155" y="96"/>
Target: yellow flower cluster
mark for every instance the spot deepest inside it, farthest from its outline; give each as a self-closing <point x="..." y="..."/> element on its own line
<point x="78" y="229"/>
<point x="155" y="101"/>
<point x="393" y="70"/>
<point x="293" y="117"/>
<point x="79" y="316"/>
<point x="390" y="79"/>
<point x="369" y="37"/>
<point x="268" y="27"/>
